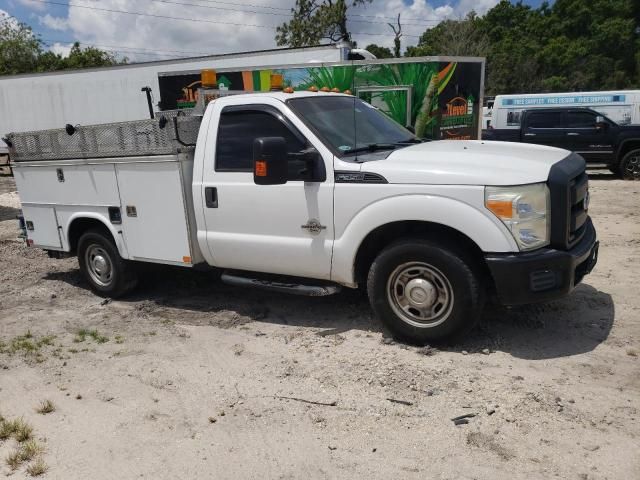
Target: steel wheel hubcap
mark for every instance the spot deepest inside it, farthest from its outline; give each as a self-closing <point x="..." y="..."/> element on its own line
<point x="420" y="294"/>
<point x="99" y="265"/>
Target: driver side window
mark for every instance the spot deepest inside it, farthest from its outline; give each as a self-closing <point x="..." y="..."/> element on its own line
<point x="237" y="131"/>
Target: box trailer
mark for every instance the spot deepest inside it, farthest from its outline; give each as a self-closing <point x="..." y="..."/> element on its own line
<point x="113" y="94"/>
<point x="438" y="97"/>
<point x="621" y="106"/>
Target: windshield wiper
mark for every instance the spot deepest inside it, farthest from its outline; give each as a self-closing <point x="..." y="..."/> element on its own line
<point x="373" y="147"/>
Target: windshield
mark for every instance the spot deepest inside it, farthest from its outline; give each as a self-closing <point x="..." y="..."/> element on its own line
<point x="348" y="124"/>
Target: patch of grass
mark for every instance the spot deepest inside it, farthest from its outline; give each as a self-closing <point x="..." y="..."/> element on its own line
<point x="37" y="468"/>
<point x="13" y="460"/>
<point x="22" y="430"/>
<point x="6" y="429"/>
<point x="119" y="339"/>
<point x="45" y="407"/>
<point x="83" y="333"/>
<point x="29" y="450"/>
<point x="27" y="344"/>
<point x="73" y="350"/>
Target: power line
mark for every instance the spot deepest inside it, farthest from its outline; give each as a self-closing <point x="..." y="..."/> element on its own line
<point x="199" y="20"/>
<point x="50" y="40"/>
<point x="381" y="17"/>
<point x="215" y="7"/>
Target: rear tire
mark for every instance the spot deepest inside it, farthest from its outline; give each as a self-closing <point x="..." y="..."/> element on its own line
<point x="424" y="293"/>
<point x="106" y="271"/>
<point x="630" y="165"/>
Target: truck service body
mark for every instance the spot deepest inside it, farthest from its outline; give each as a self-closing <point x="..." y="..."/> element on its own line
<point x="309" y="191"/>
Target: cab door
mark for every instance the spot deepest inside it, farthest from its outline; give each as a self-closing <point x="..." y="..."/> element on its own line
<point x="545" y="127"/>
<point x="265" y="228"/>
<point x="587" y="138"/>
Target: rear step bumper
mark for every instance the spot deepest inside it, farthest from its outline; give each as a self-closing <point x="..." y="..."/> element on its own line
<point x="280" y="286"/>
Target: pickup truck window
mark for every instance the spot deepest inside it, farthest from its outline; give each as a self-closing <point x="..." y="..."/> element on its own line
<point x="347" y="123"/>
<point x="581" y="120"/>
<point x="238" y="130"/>
<point x="545" y="120"/>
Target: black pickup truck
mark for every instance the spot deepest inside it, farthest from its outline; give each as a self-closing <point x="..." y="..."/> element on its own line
<point x="582" y="130"/>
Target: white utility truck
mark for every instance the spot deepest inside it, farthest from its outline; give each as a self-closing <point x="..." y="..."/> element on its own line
<point x="307" y="192"/>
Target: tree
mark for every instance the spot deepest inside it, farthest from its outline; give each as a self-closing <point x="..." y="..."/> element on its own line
<point x="90" y="57"/>
<point x="21" y="51"/>
<point x="397" y="32"/>
<point x="19" y="47"/>
<point x="316" y="20"/>
<point x="378" y="51"/>
<point x="453" y="37"/>
<point x="570" y="45"/>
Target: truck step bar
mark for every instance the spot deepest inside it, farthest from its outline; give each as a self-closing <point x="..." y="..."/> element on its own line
<point x="280" y="285"/>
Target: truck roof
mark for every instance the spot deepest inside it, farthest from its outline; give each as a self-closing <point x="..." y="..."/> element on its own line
<point x="283" y="97"/>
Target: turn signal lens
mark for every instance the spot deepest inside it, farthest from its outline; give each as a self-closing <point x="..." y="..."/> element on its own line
<point x="261" y="168"/>
<point x="502" y="208"/>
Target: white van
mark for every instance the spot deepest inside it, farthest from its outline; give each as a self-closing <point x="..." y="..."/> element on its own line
<point x="621" y="106"/>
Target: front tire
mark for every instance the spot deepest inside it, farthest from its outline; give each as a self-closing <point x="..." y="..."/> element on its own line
<point x="630" y="165"/>
<point x="424" y="293"/>
<point x="106" y="271"/>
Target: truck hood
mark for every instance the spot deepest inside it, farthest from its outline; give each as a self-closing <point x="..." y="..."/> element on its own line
<point x="467" y="162"/>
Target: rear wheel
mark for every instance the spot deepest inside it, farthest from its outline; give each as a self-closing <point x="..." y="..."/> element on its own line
<point x="106" y="271"/>
<point x="423" y="292"/>
<point x="630" y="165"/>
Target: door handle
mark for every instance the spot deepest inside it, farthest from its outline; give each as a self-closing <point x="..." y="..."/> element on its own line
<point x="573" y="134"/>
<point x="211" y="197"/>
<point x="529" y="134"/>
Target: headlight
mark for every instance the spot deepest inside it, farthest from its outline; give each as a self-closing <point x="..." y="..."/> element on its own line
<point x="524" y="209"/>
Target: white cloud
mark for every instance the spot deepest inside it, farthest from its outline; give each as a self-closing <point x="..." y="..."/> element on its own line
<point x="138" y="37"/>
<point x="6" y="16"/>
<point x="61" y="48"/>
<point x="39" y="6"/>
<point x="54" y="23"/>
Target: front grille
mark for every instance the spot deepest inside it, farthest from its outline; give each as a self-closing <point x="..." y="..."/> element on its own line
<point x="568" y="186"/>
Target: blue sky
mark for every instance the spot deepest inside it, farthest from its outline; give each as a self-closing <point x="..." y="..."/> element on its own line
<point x="222" y="27"/>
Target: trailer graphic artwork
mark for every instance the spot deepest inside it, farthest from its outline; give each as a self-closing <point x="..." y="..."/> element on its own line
<point x="439" y="100"/>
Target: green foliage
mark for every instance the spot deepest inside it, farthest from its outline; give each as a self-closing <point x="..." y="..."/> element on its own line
<point x="378" y="51"/>
<point x="453" y="37"/>
<point x="570" y="45"/>
<point x="330" y="77"/>
<point x="316" y="20"/>
<point x="416" y="74"/>
<point x="21" y="51"/>
<point x="19" y="48"/>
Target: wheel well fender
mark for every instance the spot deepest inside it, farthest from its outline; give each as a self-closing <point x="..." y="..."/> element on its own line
<point x="384" y="235"/>
<point x="82" y="222"/>
<point x="427" y="216"/>
<point x="626" y="146"/>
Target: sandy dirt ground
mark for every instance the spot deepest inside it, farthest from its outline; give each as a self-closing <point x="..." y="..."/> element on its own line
<point x="188" y="378"/>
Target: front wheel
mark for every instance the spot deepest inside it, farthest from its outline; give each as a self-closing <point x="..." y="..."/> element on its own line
<point x="630" y="165"/>
<point x="108" y="273"/>
<point x="423" y="292"/>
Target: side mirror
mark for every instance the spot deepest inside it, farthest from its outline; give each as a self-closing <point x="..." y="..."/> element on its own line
<point x="312" y="165"/>
<point x="601" y="122"/>
<point x="269" y="161"/>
